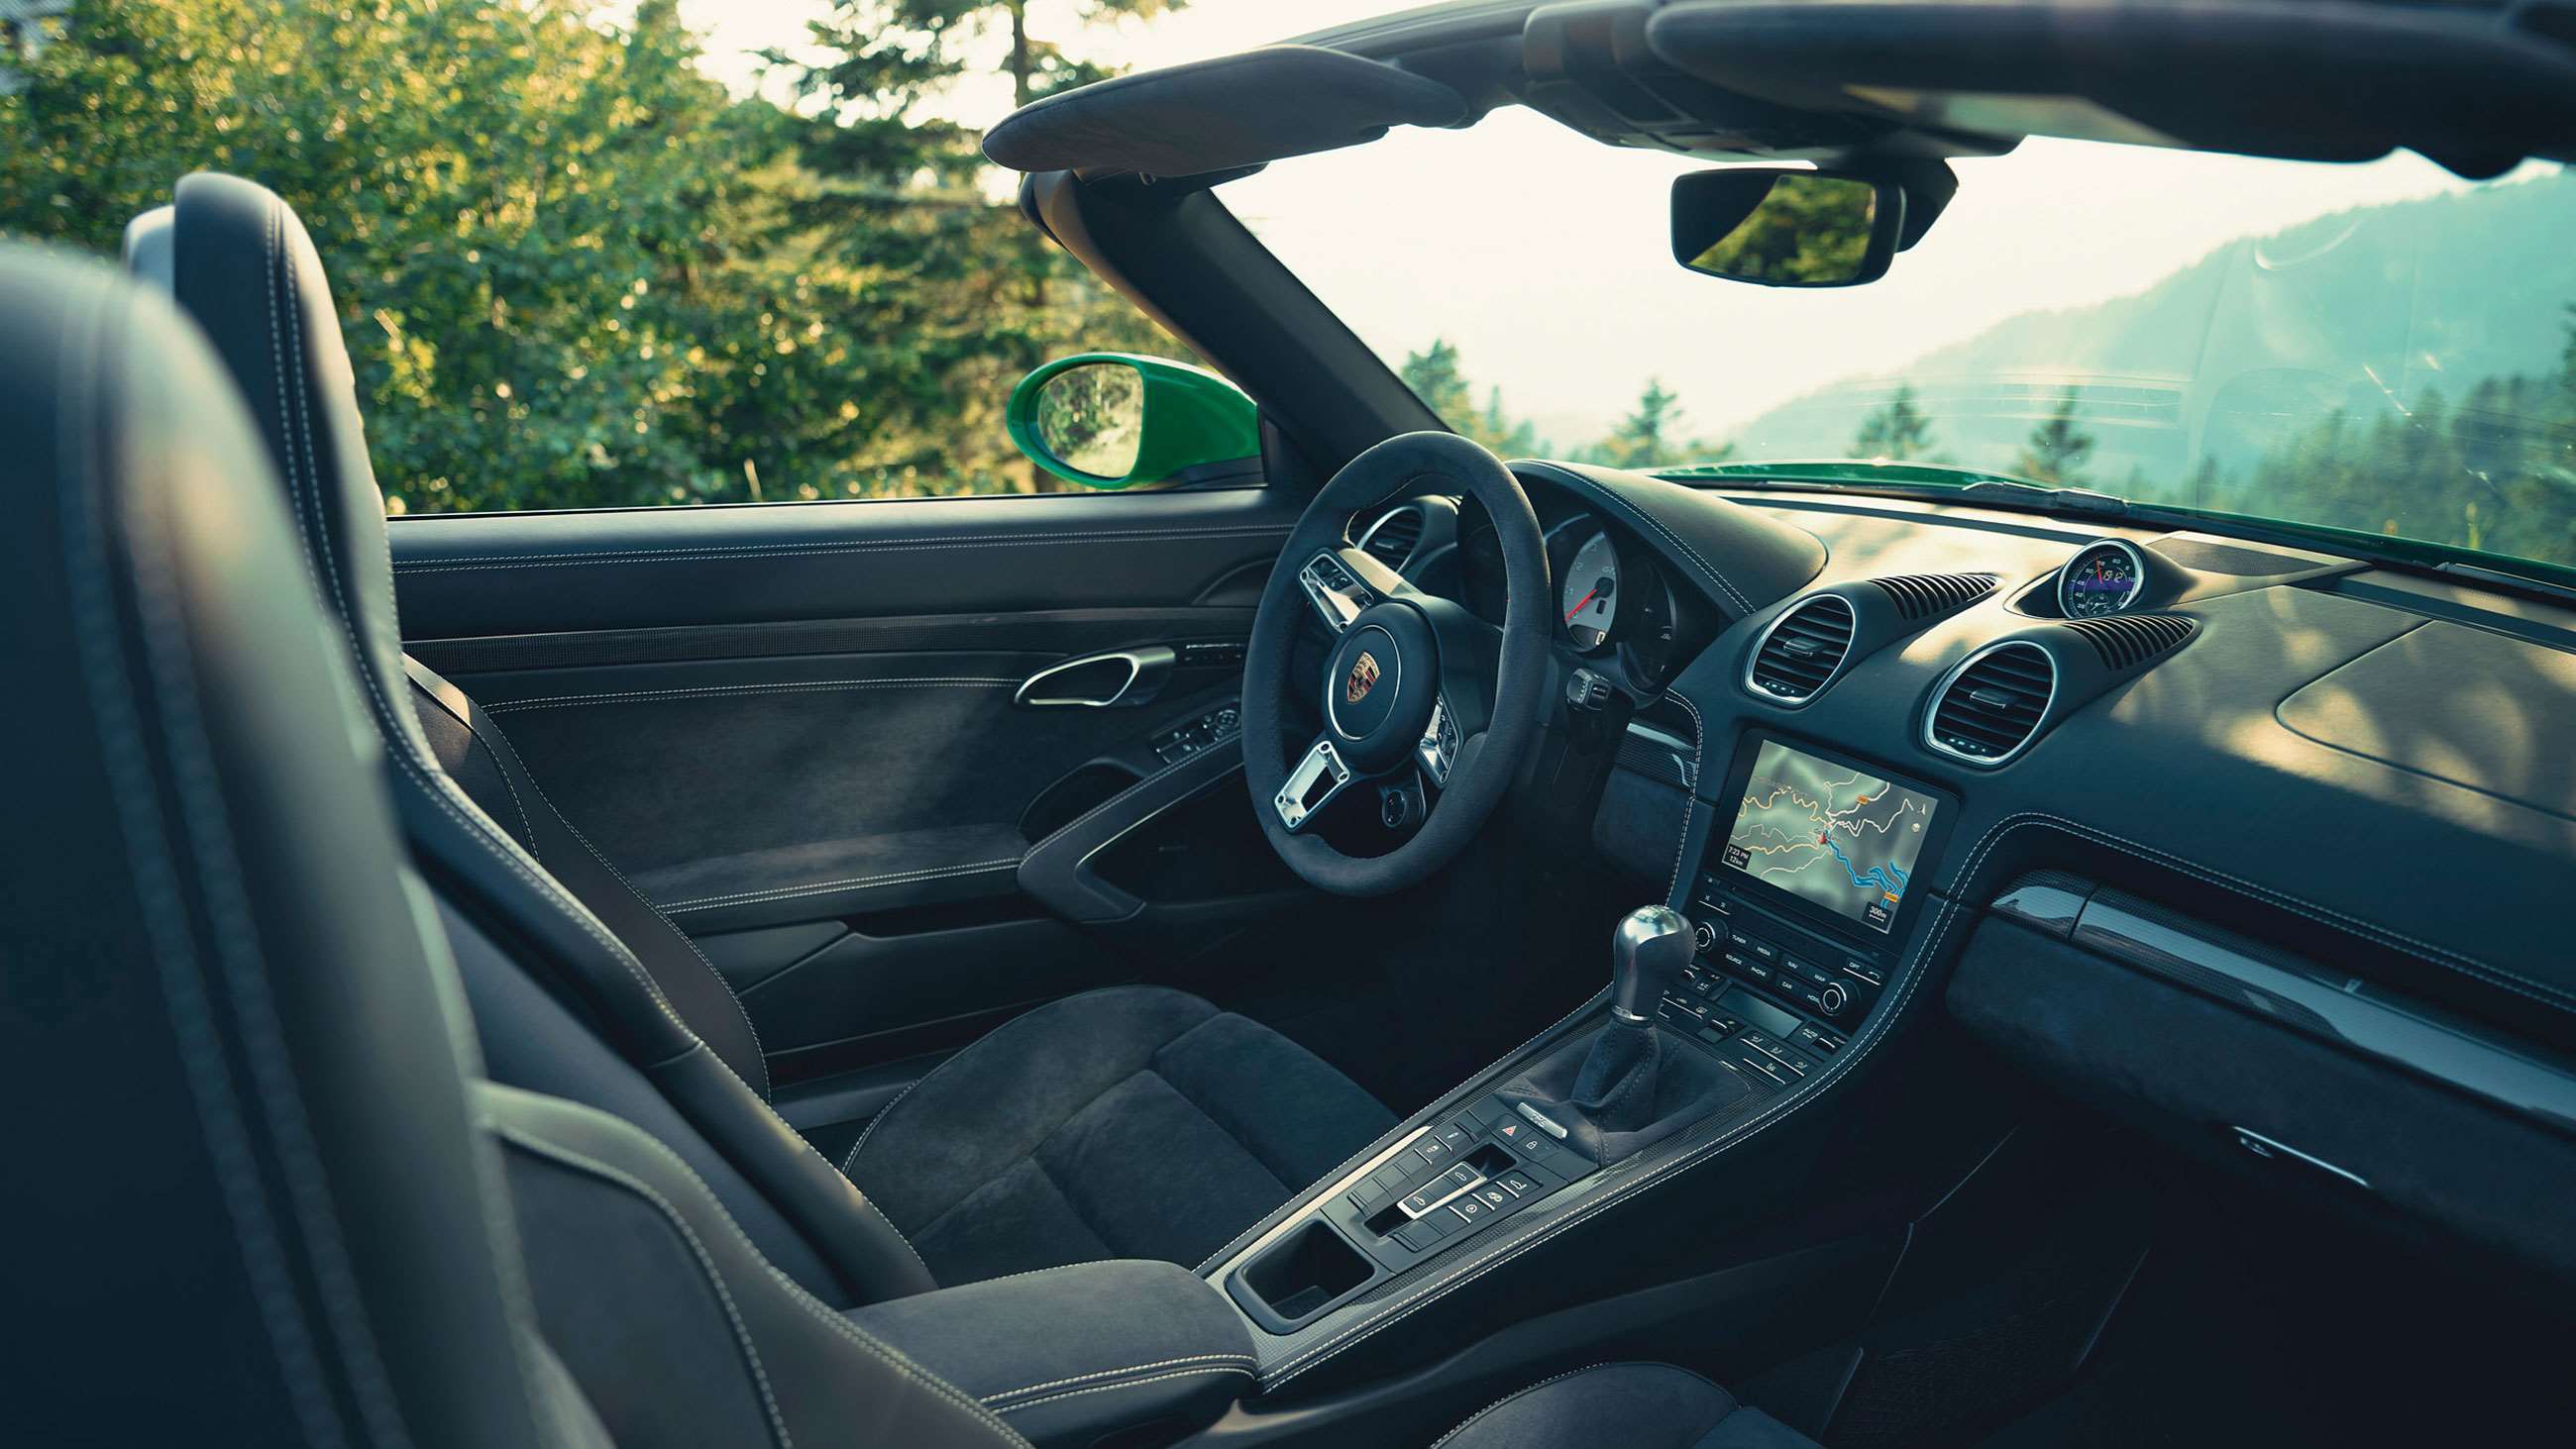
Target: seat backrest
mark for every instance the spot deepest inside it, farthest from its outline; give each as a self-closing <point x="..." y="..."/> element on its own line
<point x="242" y="264"/>
<point x="244" y="1197"/>
<point x="255" y="1192"/>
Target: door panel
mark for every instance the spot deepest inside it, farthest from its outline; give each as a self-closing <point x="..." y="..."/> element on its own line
<point x="795" y="729"/>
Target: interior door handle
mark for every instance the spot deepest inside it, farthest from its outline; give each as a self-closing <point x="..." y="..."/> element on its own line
<point x="1119" y="678"/>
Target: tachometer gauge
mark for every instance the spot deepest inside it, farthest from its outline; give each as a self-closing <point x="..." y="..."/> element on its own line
<point x="2103" y="578"/>
<point x="1591" y="597"/>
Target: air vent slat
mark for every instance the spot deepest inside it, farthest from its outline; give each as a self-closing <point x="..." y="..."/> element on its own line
<point x="1926" y="596"/>
<point x="2127" y="641"/>
<point x="1799" y="654"/>
<point x="1392" y="539"/>
<point x="1990" y="708"/>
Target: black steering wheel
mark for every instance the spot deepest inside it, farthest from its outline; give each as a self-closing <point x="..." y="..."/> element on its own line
<point x="1415" y="687"/>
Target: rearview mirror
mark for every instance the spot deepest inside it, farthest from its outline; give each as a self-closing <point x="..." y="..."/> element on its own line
<point x="1115" y="420"/>
<point x="1785" y="228"/>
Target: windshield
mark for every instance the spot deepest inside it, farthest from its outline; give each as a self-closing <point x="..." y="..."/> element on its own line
<point x="2380" y="347"/>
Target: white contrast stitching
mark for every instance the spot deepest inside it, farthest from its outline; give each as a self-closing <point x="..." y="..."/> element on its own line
<point x="1133" y="1368"/>
<point x="851" y="1160"/>
<point x="702" y="903"/>
<point x="697" y="1249"/>
<point x="563" y="701"/>
<point x="1130" y="1384"/>
<point x="1690" y="795"/>
<point x="711" y="552"/>
<point x="1516" y="1394"/>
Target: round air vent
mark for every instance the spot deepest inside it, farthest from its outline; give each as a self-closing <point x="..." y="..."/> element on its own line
<point x="1799" y="654"/>
<point x="1396" y="534"/>
<point x="1986" y="709"/>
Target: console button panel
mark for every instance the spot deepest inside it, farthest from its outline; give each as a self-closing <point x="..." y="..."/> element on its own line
<point x="1773" y="999"/>
<point x="1454" y="1180"/>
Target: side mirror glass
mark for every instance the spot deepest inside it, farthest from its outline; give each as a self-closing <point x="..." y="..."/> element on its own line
<point x="1115" y="420"/>
<point x="1784" y="228"/>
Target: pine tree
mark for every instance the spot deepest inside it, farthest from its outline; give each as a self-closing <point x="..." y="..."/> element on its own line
<point x="1896" y="432"/>
<point x="2057" y="450"/>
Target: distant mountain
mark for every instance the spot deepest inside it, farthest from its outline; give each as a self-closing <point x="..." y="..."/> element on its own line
<point x="2364" y="310"/>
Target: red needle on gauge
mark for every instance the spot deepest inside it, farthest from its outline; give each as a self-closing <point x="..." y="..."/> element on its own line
<point x="1579" y="603"/>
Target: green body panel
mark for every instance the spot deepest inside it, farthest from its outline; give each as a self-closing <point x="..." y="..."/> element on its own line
<point x="1191" y="417"/>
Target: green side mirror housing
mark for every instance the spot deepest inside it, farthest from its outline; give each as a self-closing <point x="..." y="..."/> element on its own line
<point x="1118" y="420"/>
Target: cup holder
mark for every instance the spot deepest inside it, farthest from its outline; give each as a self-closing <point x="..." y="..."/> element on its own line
<point x="1297" y="1278"/>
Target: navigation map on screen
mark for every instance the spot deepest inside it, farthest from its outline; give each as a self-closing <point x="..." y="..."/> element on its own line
<point x="1838" y="836"/>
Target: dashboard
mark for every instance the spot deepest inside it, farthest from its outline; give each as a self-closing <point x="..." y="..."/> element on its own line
<point x="2306" y="815"/>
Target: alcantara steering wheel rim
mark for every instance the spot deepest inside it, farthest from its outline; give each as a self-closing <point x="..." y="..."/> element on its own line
<point x="1503" y="722"/>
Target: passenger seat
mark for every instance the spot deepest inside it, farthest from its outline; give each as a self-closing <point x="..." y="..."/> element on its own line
<point x="1138" y="1123"/>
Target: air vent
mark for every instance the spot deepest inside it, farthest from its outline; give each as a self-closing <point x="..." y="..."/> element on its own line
<point x="1801" y="650"/>
<point x="1929" y="596"/>
<point x="1987" y="709"/>
<point x="2126" y="641"/>
<point x="1392" y="539"/>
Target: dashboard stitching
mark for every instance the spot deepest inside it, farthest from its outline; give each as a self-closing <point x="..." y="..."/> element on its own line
<point x="1743" y="605"/>
<point x="1690" y="792"/>
<point x="711" y="552"/>
<point x="1917" y="968"/>
<point x="1788" y="1106"/>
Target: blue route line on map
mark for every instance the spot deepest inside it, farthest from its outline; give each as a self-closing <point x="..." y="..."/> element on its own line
<point x="1878" y="874"/>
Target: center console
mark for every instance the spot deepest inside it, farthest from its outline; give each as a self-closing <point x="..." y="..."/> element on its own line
<point x="1801" y="907"/>
<point x="1768" y="970"/>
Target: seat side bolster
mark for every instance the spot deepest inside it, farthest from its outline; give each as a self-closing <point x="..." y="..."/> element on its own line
<point x="815" y="1375"/>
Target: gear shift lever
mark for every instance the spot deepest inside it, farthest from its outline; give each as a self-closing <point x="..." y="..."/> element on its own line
<point x="1629" y="1084"/>
<point x="1647" y="954"/>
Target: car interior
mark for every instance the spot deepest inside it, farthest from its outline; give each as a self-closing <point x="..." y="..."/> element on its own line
<point x="1371" y="943"/>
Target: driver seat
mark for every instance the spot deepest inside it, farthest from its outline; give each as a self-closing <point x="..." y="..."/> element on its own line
<point x="1135" y="1122"/>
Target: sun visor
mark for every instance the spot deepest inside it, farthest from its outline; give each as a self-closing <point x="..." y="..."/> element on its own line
<point x="2321" y="80"/>
<point x="1217" y="115"/>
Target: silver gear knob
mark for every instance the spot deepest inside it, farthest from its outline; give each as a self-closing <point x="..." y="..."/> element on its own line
<point x="1647" y="954"/>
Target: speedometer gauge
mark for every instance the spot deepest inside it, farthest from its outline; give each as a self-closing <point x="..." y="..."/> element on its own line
<point x="1591" y="597"/>
<point x="2103" y="578"/>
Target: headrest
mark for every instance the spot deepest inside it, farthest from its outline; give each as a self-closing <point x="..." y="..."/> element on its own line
<point x="274" y="1201"/>
<point x="239" y="261"/>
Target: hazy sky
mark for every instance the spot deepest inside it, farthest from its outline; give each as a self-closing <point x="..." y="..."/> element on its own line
<point x="1542" y="255"/>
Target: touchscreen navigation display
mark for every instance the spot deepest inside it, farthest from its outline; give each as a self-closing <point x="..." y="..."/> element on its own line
<point x="1837" y="835"/>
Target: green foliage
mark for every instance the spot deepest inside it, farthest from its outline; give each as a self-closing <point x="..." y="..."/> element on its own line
<point x="1897" y="432"/>
<point x="1650" y="436"/>
<point x="1435" y="378"/>
<point x="571" y="271"/>
<point x="2057" y="450"/>
<point x="1806" y="231"/>
<point x="2497" y="472"/>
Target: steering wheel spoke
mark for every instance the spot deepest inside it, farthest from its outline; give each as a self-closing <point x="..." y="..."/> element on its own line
<point x="1436" y="753"/>
<point x="1320" y="777"/>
